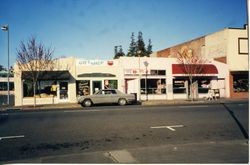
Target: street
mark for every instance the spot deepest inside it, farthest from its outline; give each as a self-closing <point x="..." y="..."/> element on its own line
<point x="206" y="133"/>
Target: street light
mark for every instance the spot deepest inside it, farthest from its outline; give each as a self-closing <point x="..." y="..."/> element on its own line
<point x="139" y="83"/>
<point x="6" y="29"/>
<point x="146" y="85"/>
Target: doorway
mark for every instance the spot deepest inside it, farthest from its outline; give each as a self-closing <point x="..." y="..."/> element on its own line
<point x="63" y="91"/>
<point x="96" y="85"/>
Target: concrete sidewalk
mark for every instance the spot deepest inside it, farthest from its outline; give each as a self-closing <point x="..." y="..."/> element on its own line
<point x="143" y="103"/>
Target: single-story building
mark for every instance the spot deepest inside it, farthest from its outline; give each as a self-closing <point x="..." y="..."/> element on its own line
<point x="149" y="77"/>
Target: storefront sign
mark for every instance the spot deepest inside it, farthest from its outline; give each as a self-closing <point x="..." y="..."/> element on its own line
<point x="135" y="71"/>
<point x="94" y="62"/>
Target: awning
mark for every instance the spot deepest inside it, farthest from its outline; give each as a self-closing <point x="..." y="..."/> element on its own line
<point x="47" y="75"/>
<point x="204" y="68"/>
<point x="96" y="75"/>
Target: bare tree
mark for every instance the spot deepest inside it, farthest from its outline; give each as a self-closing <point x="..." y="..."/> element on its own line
<point x="192" y="65"/>
<point x="34" y="58"/>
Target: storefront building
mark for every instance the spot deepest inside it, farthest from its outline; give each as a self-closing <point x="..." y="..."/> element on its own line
<point x="229" y="46"/>
<point x="149" y="78"/>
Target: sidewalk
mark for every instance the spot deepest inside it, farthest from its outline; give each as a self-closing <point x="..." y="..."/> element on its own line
<point x="143" y="103"/>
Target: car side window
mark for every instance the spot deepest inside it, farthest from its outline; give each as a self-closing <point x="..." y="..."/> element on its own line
<point x="108" y="92"/>
<point x="113" y="92"/>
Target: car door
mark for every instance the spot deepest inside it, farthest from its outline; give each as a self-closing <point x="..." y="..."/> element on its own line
<point x="98" y="97"/>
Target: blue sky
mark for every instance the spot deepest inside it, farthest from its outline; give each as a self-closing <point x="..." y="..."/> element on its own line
<point x="91" y="28"/>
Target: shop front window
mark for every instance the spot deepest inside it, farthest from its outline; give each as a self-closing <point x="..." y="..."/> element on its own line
<point x="240" y="82"/>
<point x="43" y="88"/>
<point x="110" y="84"/>
<point x="153" y="86"/>
<point x="158" y="72"/>
<point x="4" y="86"/>
<point x="203" y="86"/>
<point x="83" y="87"/>
<point x="179" y="86"/>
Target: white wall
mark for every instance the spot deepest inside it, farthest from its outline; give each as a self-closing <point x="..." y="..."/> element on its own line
<point x="236" y="61"/>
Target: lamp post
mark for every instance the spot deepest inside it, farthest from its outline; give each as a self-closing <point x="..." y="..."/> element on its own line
<point x="6" y="29"/>
<point x="139" y="83"/>
<point x="146" y="85"/>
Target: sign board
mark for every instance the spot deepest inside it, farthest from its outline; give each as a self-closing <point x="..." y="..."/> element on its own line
<point x="82" y="62"/>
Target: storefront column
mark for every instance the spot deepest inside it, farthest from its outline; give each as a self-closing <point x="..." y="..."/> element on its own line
<point x="169" y="82"/>
<point x="169" y="87"/>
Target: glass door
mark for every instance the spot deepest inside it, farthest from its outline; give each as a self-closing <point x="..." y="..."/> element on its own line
<point x="63" y="91"/>
<point x="96" y="85"/>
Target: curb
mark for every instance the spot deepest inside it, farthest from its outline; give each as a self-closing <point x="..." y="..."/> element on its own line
<point x="143" y="103"/>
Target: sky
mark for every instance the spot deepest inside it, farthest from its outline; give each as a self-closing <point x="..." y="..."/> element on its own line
<point x="91" y="28"/>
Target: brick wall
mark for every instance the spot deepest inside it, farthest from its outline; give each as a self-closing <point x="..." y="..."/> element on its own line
<point x="196" y="45"/>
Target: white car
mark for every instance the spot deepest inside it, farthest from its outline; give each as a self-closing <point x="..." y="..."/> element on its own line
<point x="107" y="96"/>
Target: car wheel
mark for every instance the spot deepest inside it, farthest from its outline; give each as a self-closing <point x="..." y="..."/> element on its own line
<point x="122" y="101"/>
<point x="87" y="103"/>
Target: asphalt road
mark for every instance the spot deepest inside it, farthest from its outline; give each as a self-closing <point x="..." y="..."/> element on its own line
<point x="131" y="134"/>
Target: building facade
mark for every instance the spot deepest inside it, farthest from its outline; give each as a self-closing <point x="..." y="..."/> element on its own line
<point x="160" y="76"/>
<point x="149" y="77"/>
<point x="229" y="46"/>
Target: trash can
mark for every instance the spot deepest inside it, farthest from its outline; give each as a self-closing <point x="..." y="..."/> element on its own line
<point x="217" y="93"/>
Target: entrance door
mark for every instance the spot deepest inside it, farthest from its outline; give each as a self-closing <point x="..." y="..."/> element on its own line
<point x="96" y="85"/>
<point x="63" y="91"/>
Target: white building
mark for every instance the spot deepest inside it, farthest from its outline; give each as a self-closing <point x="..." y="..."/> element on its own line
<point x="148" y="77"/>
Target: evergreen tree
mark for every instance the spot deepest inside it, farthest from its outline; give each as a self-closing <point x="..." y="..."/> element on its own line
<point x="141" y="51"/>
<point x="132" y="47"/>
<point x="149" y="48"/>
<point x="118" y="53"/>
<point x="2" y="68"/>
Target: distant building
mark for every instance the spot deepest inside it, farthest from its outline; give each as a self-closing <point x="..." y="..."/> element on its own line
<point x="4" y="88"/>
<point x="229" y="46"/>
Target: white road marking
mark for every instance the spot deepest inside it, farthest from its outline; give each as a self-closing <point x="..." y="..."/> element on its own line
<point x="171" y="127"/>
<point x="73" y="111"/>
<point x="11" y="137"/>
<point x="194" y="106"/>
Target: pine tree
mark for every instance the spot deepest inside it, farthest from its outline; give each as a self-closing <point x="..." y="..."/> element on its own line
<point x="132" y="47"/>
<point x="141" y="51"/>
<point x="118" y="53"/>
<point x="149" y="48"/>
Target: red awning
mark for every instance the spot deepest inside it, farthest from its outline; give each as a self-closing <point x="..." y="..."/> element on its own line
<point x="205" y="68"/>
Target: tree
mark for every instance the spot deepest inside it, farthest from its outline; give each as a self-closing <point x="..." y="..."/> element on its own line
<point x="192" y="64"/>
<point x="2" y="68"/>
<point x="140" y="49"/>
<point x="118" y="53"/>
<point x="136" y="49"/>
<point x="34" y="58"/>
<point x="132" y="47"/>
<point x="149" y="48"/>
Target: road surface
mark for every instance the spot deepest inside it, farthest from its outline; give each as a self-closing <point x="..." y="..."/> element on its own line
<point x="215" y="133"/>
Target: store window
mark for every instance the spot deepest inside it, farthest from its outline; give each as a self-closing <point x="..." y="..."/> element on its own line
<point x="110" y="84"/>
<point x="3" y="86"/>
<point x="83" y="87"/>
<point x="153" y="86"/>
<point x="203" y="86"/>
<point x="240" y="82"/>
<point x="179" y="86"/>
<point x="158" y="72"/>
<point x="43" y="88"/>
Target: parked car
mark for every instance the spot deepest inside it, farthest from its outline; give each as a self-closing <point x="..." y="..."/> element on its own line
<point x="107" y="96"/>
